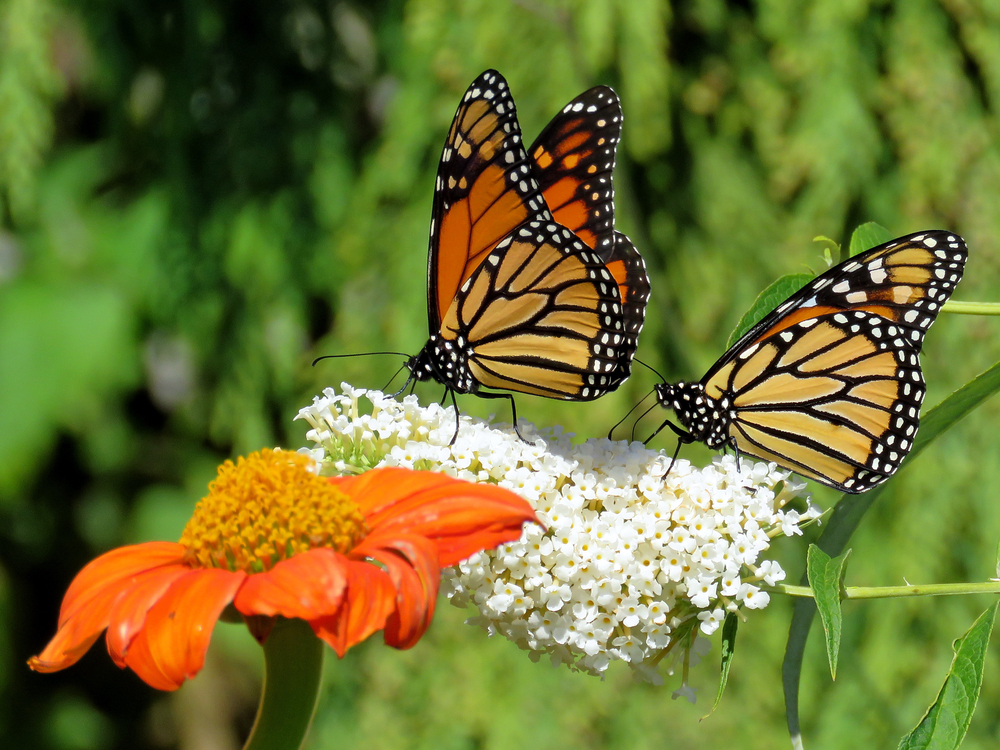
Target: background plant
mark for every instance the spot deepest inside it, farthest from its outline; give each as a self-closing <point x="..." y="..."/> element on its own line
<point x="198" y="198"/>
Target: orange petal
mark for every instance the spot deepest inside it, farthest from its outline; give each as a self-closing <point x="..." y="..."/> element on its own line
<point x="171" y="645"/>
<point x="308" y="586"/>
<point x="369" y="600"/>
<point x="89" y="615"/>
<point x="111" y="568"/>
<point x="128" y="614"/>
<point x="62" y="652"/>
<point x="460" y="517"/>
<point x="141" y="660"/>
<point x="411" y="562"/>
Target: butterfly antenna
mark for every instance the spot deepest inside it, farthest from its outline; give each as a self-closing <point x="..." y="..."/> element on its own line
<point x="650" y="368"/>
<point x="618" y="423"/>
<point x="360" y="354"/>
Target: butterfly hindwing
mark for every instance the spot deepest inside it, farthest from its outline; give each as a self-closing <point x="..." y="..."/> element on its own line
<point x="541" y="315"/>
<point x="835" y="398"/>
<point x="484" y="189"/>
<point x="829" y="384"/>
<point x="628" y="269"/>
<point x="574" y="157"/>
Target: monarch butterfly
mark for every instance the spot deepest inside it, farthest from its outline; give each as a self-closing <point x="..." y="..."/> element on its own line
<point x="829" y="383"/>
<point x="516" y="300"/>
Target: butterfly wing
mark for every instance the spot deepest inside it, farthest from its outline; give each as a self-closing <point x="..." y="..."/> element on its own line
<point x="628" y="269"/>
<point x="484" y="189"/>
<point x="829" y="384"/>
<point x="541" y="315"/>
<point x="574" y="157"/>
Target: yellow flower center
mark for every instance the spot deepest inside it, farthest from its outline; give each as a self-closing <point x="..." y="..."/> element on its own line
<point x="266" y="508"/>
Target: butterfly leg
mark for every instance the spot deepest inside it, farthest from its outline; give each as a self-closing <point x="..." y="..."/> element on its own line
<point x="384" y="387"/>
<point x="618" y="423"/>
<point x="409" y="380"/>
<point x="444" y="396"/>
<point x="455" y="404"/>
<point x="513" y="409"/>
<point x="683" y="438"/>
<point x="731" y="443"/>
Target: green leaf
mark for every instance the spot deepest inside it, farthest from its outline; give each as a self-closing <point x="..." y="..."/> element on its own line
<point x="998" y="560"/>
<point x="848" y="514"/>
<point x="868" y="236"/>
<point x="728" y="651"/>
<point x="767" y="300"/>
<point x="832" y="246"/>
<point x="65" y="347"/>
<point x="825" y="576"/>
<point x="947" y="720"/>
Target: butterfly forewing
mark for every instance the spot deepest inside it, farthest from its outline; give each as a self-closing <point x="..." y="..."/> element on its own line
<point x="542" y="315"/>
<point x="574" y="158"/>
<point x="484" y="189"/>
<point x="904" y="281"/>
<point x="829" y="384"/>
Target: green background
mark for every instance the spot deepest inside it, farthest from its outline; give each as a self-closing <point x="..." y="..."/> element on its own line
<point x="199" y="197"/>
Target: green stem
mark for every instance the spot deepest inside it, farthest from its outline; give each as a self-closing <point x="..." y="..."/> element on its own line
<point x="892" y="592"/>
<point x="971" y="308"/>
<point x="293" y="666"/>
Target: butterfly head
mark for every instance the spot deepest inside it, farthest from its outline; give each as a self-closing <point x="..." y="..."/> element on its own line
<point x="420" y="366"/>
<point x="706" y="418"/>
<point x="445" y="361"/>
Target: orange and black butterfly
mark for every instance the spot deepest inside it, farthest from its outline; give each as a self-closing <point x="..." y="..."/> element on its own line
<point x="829" y="383"/>
<point x="516" y="300"/>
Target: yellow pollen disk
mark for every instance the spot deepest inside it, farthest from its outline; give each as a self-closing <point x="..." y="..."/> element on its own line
<point x="266" y="508"/>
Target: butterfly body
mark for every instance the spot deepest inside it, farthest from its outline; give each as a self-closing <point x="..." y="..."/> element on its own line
<point x="829" y="384"/>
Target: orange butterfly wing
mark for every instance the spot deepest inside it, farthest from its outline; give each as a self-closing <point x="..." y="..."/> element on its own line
<point x="484" y="189"/>
<point x="628" y="270"/>
<point x="542" y="315"/>
<point x="574" y="157"/>
<point x="829" y="384"/>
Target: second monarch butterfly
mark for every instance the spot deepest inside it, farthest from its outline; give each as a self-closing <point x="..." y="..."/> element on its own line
<point x="829" y="383"/>
<point x="517" y="301"/>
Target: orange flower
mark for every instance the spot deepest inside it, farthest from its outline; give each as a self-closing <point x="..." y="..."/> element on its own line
<point x="350" y="555"/>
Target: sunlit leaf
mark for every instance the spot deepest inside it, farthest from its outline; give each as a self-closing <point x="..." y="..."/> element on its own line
<point x="767" y="300"/>
<point x="868" y="236"/>
<point x="851" y="509"/>
<point x="728" y="651"/>
<point x="944" y="725"/>
<point x="825" y="576"/>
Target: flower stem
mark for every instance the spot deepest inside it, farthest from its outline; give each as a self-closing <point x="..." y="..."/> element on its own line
<point x="971" y="308"/>
<point x="891" y="592"/>
<point x="293" y="665"/>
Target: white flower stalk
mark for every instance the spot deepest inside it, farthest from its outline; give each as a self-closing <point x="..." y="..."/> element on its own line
<point x="628" y="564"/>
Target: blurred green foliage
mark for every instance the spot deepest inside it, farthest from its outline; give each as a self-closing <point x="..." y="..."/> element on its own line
<point x="200" y="197"/>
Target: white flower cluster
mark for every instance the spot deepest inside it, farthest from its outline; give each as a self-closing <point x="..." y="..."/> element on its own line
<point x="627" y="565"/>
